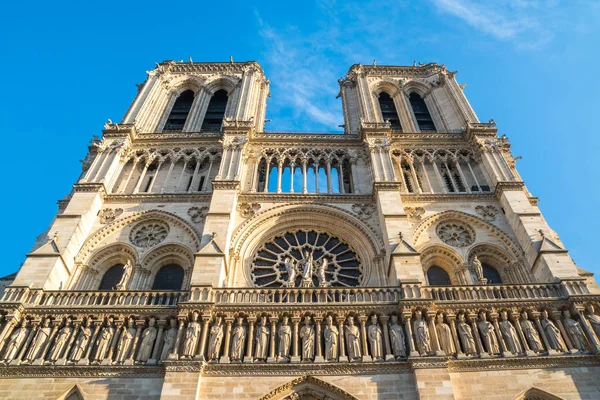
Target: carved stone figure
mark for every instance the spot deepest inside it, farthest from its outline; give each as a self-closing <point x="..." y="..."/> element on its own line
<point x="261" y="338"/>
<point x="375" y="336"/>
<point x="291" y="271"/>
<point x="321" y="268"/>
<point x="238" y="336"/>
<point x="594" y="319"/>
<point x="422" y="338"/>
<point x="104" y="339"/>
<point x="60" y="341"/>
<point x="574" y="331"/>
<point x="509" y="333"/>
<point x="466" y="335"/>
<point x="127" y="271"/>
<point x="531" y="334"/>
<point x="444" y="334"/>
<point x="353" y="340"/>
<point x="192" y="334"/>
<point x="331" y="333"/>
<point x="285" y="340"/>
<point x="555" y="340"/>
<point x="35" y="349"/>
<point x="82" y="341"/>
<point x="147" y="344"/>
<point x="170" y="339"/>
<point x="125" y="341"/>
<point x="16" y="340"/>
<point x="478" y="269"/>
<point x="488" y="334"/>
<point x="397" y="337"/>
<point x="307" y="269"/>
<point x="216" y="338"/>
<point x="307" y="334"/>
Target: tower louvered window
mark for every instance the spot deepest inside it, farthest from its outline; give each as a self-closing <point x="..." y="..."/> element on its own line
<point x="180" y="111"/>
<point x="388" y="110"/>
<point x="215" y="112"/>
<point x="424" y="120"/>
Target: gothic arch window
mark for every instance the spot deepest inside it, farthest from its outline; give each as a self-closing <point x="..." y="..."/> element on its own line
<point x="213" y="119"/>
<point x="180" y="111"/>
<point x="422" y="115"/>
<point x="388" y="110"/>
<point x="111" y="277"/>
<point x="491" y="274"/>
<point x="437" y="276"/>
<point x="169" y="277"/>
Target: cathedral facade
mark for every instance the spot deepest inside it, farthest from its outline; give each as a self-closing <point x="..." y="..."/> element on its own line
<point x="200" y="257"/>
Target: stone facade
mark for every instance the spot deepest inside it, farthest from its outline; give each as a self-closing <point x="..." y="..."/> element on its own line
<point x="200" y="257"/>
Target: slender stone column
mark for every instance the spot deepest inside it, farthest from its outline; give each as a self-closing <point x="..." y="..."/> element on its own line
<point x="207" y="180"/>
<point x="341" y="177"/>
<point x="426" y="176"/>
<point x="292" y="177"/>
<point x="473" y="175"/>
<point x="436" y="343"/>
<point x="557" y="318"/>
<point x="225" y="357"/>
<point x="194" y="177"/>
<point x="439" y="176"/>
<point x="85" y="360"/>
<point x="498" y="333"/>
<point x="254" y="183"/>
<point x="363" y="333"/>
<point x="9" y="326"/>
<point x="354" y="176"/>
<point x="28" y="340"/>
<point x="271" y="358"/>
<point x="185" y="163"/>
<point x="141" y="178"/>
<point x="279" y="173"/>
<point x="126" y="183"/>
<point x="386" y="338"/>
<point x="406" y="317"/>
<point x="157" y="344"/>
<point x="414" y="174"/>
<point x="329" y="187"/>
<point x="588" y="330"/>
<point x="316" y="166"/>
<point x="62" y="360"/>
<point x="295" y="355"/>
<point x="526" y="350"/>
<point x="452" y="322"/>
<point x="138" y="332"/>
<point x="175" y="352"/>
<point x="113" y="343"/>
<point x="538" y="324"/>
<point x="342" y="346"/>
<point x="40" y="360"/>
<point x="251" y="321"/>
<point x="266" y="188"/>
<point x="478" y="344"/>
<point x="166" y="181"/>
<point x="318" y="350"/>
<point x="201" y="351"/>
<point x="304" y="189"/>
<point x="462" y="175"/>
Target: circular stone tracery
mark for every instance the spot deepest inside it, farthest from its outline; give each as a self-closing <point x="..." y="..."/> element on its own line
<point x="149" y="233"/>
<point x="268" y="268"/>
<point x="455" y="234"/>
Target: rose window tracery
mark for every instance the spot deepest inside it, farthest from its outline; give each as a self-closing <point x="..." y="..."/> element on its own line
<point x="149" y="233"/>
<point x="306" y="259"/>
<point x="455" y="234"/>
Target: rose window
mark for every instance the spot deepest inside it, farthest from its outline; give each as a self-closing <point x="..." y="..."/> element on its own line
<point x="455" y="234"/>
<point x="306" y="259"/>
<point x="150" y="233"/>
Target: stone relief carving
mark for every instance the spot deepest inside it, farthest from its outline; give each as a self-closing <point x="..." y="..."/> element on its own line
<point x="397" y="338"/>
<point x="444" y="334"/>
<point x="149" y="233"/>
<point x="415" y="214"/>
<point x="104" y="340"/>
<point x="170" y="339"/>
<point x="531" y="334"/>
<point x="488" y="334"/>
<point x="126" y="277"/>
<point x="82" y="341"/>
<point x="192" y="334"/>
<point x="555" y="340"/>
<point x="363" y="211"/>
<point x="146" y="346"/>
<point x="511" y="339"/>
<point x="455" y="234"/>
<point x="60" y="341"/>
<point x="593" y="318"/>
<point x="108" y="215"/>
<point x="331" y="334"/>
<point x="466" y="336"/>
<point x="16" y="340"/>
<point x="262" y="340"/>
<point x="353" y="340"/>
<point x="238" y="338"/>
<point x="487" y="212"/>
<point x="216" y="339"/>
<point x="422" y="338"/>
<point x="375" y="339"/>
<point x="38" y="345"/>
<point x="285" y="340"/>
<point x="574" y="331"/>
<point x="307" y="334"/>
<point x="248" y="210"/>
<point x="198" y="214"/>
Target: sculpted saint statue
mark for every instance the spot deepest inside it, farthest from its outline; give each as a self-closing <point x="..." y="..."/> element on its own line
<point x="307" y="269"/>
<point x="35" y="349"/>
<point x="466" y="335"/>
<point x="148" y="338"/>
<point x="555" y="340"/>
<point x="321" y="268"/>
<point x="478" y="268"/>
<point x="444" y="334"/>
<point x="375" y="338"/>
<point x="422" y="338"/>
<point x="285" y="340"/>
<point x="16" y="340"/>
<point x="170" y="339"/>
<point x="238" y="336"/>
<point x="331" y="333"/>
<point x="60" y="341"/>
<point x="104" y="340"/>
<point x="531" y="333"/>
<point x="594" y="319"/>
<point x="216" y="338"/>
<point x="126" y="340"/>
<point x="509" y="333"/>
<point x="398" y="338"/>
<point x="127" y="271"/>
<point x="307" y="334"/>
<point x="261" y="338"/>
<point x="574" y="330"/>
<point x="290" y="268"/>
<point x="192" y="334"/>
<point x="82" y="341"/>
<point x="488" y="334"/>
<point x="353" y="340"/>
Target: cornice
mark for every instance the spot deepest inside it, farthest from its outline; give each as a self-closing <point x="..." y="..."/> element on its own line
<point x="446" y="198"/>
<point x="563" y="361"/>
<point x="76" y="371"/>
<point x="208" y="67"/>
<point x="159" y="198"/>
<point x="171" y="138"/>
<point x="304" y="137"/>
<point x="90" y="187"/>
<point x="308" y="198"/>
<point x="226" y="185"/>
<point x="386" y="186"/>
<point x="502" y="187"/>
<point x="415" y="71"/>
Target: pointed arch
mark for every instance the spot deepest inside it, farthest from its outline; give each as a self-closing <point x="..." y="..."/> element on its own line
<point x="75" y="393"/>
<point x="534" y="393"/>
<point x="167" y="255"/>
<point x="442" y="257"/>
<point x="308" y="385"/>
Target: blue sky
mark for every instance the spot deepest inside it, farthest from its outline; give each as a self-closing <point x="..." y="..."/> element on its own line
<point x="530" y="65"/>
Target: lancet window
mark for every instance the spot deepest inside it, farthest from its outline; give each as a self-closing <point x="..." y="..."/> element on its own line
<point x="213" y="119"/>
<point x="169" y="277"/>
<point x="491" y="274"/>
<point x="421" y="113"/>
<point x="437" y="276"/>
<point x="180" y="111"/>
<point x="388" y="110"/>
<point x="112" y="277"/>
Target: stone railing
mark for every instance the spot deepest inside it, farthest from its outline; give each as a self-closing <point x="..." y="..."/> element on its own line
<point x="493" y="292"/>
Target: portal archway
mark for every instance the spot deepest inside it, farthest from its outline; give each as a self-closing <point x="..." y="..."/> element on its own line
<point x="308" y="388"/>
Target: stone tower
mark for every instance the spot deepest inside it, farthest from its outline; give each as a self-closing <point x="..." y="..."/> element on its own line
<point x="200" y="257"/>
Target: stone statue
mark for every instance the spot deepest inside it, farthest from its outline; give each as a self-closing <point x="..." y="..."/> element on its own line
<point x="488" y="334"/>
<point x="37" y="345"/>
<point x="466" y="335"/>
<point x="127" y="271"/>
<point x="291" y="272"/>
<point x="509" y="333"/>
<point x="397" y="337"/>
<point x="444" y="334"/>
<point x="594" y="319"/>
<point x="261" y="338"/>
<point x="238" y="336"/>
<point x="307" y="334"/>
<point x="374" y="335"/>
<point x="322" y="267"/>
<point x="307" y="269"/>
<point x="192" y="334"/>
<point x="531" y="334"/>
<point x="555" y="340"/>
<point x="422" y="338"/>
<point x="353" y="340"/>
<point x="170" y="339"/>
<point x="16" y="340"/>
<point x="478" y="269"/>
<point x="125" y="341"/>
<point x="216" y="338"/>
<point x="148" y="338"/>
<point x="82" y="341"/>
<point x="331" y="333"/>
<point x="574" y="330"/>
<point x="60" y="341"/>
<point x="285" y="340"/>
<point x="104" y="339"/>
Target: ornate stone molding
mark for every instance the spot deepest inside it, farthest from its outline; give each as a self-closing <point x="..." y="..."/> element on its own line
<point x="159" y="198"/>
<point x="96" y="371"/>
<point x="521" y="363"/>
<point x="307" y="198"/>
<point x="226" y="185"/>
<point x="346" y="368"/>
